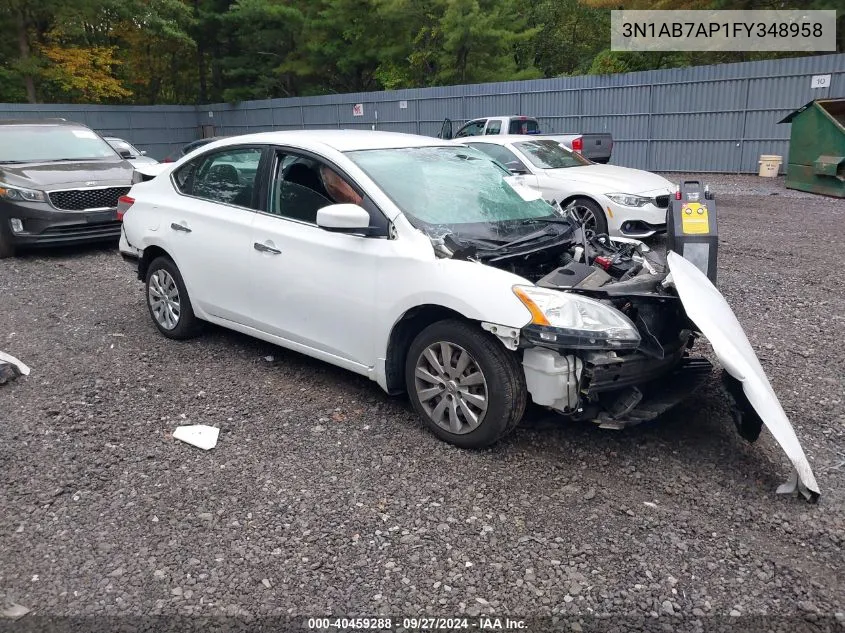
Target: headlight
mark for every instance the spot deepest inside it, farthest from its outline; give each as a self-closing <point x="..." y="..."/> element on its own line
<point x="20" y="194"/>
<point x="629" y="199"/>
<point x="571" y="320"/>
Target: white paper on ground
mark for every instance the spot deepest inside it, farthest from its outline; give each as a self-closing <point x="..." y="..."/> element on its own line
<point x="199" y="435"/>
<point x="709" y="310"/>
<point x="7" y="358"/>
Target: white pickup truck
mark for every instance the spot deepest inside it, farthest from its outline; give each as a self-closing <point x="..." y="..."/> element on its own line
<point x="596" y="147"/>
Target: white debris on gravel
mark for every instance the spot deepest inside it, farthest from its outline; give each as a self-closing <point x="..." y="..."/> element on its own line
<point x="11" y="368"/>
<point x="12" y="611"/>
<point x="199" y="435"/>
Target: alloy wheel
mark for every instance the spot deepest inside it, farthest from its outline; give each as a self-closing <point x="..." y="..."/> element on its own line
<point x="584" y="215"/>
<point x="451" y="387"/>
<point x="164" y="299"/>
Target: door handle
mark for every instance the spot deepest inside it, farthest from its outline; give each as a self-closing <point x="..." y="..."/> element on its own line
<point x="266" y="249"/>
<point x="180" y="227"/>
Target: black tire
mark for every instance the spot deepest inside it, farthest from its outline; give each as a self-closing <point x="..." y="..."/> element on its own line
<point x="598" y="213"/>
<point x="7" y="249"/>
<point x="506" y="393"/>
<point x="187" y="325"/>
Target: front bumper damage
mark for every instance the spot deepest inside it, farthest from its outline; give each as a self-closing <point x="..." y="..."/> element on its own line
<point x="620" y="390"/>
<point x="612" y="391"/>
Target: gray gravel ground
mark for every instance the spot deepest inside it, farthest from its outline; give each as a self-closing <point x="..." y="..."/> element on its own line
<point x="325" y="496"/>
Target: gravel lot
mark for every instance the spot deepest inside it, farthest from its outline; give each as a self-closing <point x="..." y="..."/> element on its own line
<point x="325" y="496"/>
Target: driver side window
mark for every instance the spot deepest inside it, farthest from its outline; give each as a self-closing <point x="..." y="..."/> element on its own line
<point x="473" y="128"/>
<point x="302" y="186"/>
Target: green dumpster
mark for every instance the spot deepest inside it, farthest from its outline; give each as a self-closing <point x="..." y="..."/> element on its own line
<point x="817" y="148"/>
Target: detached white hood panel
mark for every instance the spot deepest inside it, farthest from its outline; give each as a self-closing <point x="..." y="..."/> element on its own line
<point x="709" y="310"/>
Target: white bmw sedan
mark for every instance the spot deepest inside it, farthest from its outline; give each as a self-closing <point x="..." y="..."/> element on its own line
<point x="619" y="201"/>
<point x="422" y="264"/>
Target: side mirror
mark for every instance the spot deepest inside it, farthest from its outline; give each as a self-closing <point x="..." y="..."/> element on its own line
<point x="344" y="218"/>
<point x="124" y="153"/>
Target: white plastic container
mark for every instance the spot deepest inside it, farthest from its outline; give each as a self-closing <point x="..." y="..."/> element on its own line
<point x="770" y="165"/>
<point x="552" y="379"/>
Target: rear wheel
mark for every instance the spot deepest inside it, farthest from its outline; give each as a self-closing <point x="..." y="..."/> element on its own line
<point x="590" y="214"/>
<point x="168" y="301"/>
<point x="468" y="389"/>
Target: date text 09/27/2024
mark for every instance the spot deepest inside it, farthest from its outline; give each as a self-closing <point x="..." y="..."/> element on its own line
<point x="415" y="624"/>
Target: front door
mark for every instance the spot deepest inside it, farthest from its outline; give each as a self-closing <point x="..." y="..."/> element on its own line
<point x="314" y="287"/>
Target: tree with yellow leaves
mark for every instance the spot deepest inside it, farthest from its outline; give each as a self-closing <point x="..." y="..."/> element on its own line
<point x="86" y="73"/>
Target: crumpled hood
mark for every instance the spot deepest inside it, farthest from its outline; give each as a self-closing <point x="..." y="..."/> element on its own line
<point x="613" y="179"/>
<point x="49" y="175"/>
<point x="709" y="310"/>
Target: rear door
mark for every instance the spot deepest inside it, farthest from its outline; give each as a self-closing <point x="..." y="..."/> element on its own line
<point x="446" y="130"/>
<point x="209" y="226"/>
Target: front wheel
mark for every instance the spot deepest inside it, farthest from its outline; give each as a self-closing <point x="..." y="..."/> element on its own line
<point x="468" y="389"/>
<point x="168" y="301"/>
<point x="590" y="214"/>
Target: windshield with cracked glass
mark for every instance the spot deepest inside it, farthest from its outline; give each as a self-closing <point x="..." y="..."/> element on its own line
<point x="448" y="185"/>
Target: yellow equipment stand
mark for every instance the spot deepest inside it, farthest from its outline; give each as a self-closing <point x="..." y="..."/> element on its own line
<point x="691" y="229"/>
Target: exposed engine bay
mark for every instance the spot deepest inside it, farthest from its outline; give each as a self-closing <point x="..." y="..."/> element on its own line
<point x="607" y="386"/>
<point x="624" y="385"/>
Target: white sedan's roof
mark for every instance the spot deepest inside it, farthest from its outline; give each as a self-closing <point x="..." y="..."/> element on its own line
<point x="341" y="140"/>
<point x="504" y="139"/>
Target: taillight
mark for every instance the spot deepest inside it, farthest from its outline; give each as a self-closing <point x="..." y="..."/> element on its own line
<point x="123" y="204"/>
<point x="577" y="144"/>
<point x="167" y="160"/>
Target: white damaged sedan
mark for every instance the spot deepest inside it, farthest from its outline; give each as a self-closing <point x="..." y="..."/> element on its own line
<point x="609" y="199"/>
<point x="421" y="264"/>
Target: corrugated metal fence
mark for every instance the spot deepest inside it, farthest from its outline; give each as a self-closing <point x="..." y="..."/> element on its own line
<point x="707" y="118"/>
<point x="156" y="129"/>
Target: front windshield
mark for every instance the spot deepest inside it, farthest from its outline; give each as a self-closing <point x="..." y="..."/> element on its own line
<point x="547" y="154"/>
<point x="37" y="143"/>
<point x="447" y="185"/>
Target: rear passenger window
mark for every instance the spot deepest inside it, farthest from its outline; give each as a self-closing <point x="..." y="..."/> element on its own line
<point x="523" y="126"/>
<point x="227" y="176"/>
